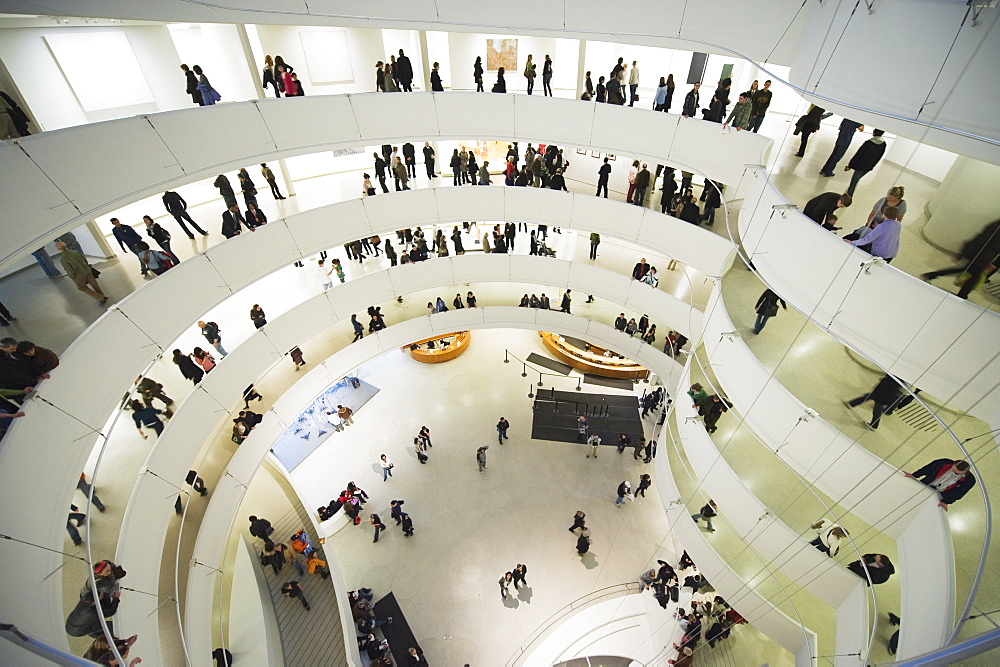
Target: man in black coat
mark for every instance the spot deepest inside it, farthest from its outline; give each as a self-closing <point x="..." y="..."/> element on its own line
<point x="380" y="166"/>
<point x="410" y="159"/>
<point x="951" y="479"/>
<point x="405" y="72"/>
<point x="821" y="206"/>
<point x="429" y="156"/>
<point x="865" y="159"/>
<point x="260" y="528"/>
<point x="226" y="190"/>
<point x="691" y="102"/>
<point x="877" y="566"/>
<point x="177" y="207"/>
<point x="192" y="86"/>
<point x="15" y="371"/>
<point x="887" y="392"/>
<point x="232" y="221"/>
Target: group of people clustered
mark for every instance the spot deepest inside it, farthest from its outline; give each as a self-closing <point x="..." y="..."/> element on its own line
<point x="543" y="167"/>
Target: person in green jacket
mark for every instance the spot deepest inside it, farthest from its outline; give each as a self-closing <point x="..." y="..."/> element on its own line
<point x="740" y="116"/>
<point x="595" y="240"/>
<point x="696" y="393"/>
<point x="76" y="267"/>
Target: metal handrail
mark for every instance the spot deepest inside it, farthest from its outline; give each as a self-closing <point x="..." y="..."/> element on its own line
<point x="617" y="590"/>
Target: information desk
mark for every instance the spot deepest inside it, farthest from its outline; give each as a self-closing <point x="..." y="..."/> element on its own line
<point x="458" y="343"/>
<point x="592" y="360"/>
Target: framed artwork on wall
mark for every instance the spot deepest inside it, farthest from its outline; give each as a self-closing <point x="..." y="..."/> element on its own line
<point x="501" y="53"/>
<point x="610" y="156"/>
<point x="595" y="154"/>
<point x="581" y="151"/>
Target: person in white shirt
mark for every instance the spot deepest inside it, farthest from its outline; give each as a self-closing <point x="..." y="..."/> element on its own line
<point x="386" y="467"/>
<point x="830" y="537"/>
<point x="633" y="84"/>
<point x="323" y="274"/>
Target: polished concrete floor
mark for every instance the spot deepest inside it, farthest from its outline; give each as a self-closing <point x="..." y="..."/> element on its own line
<point x="54" y="314"/>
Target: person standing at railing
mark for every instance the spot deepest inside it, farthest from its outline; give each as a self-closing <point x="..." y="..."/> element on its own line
<point x="950" y="479"/>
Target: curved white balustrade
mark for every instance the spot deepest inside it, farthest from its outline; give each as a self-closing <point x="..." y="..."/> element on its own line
<point x="55" y="189"/>
<point x="818" y="40"/>
<point x="778" y="626"/>
<point x="947" y="346"/>
<point x="208" y="557"/>
<point x="51" y="445"/>
<point x="783" y="547"/>
<point x="49" y="184"/>
<point x="858" y="480"/>
<point x="209" y="407"/>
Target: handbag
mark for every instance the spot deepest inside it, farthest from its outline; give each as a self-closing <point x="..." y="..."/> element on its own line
<point x="371" y="192"/>
<point x="94" y="272"/>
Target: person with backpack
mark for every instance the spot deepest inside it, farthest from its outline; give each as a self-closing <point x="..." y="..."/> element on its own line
<point x="157" y="262"/>
<point x="211" y="332"/>
<point x="766" y="308"/>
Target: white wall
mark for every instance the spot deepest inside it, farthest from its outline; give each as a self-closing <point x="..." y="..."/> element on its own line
<point x="46" y="91"/>
<point x="464" y="47"/>
<point x="217" y="49"/>
<point x="967" y="201"/>
<point x="928" y="161"/>
<point x="364" y="49"/>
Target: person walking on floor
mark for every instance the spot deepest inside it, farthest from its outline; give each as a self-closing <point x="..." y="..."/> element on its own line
<point x="868" y="156"/>
<point x="583" y="542"/>
<point x="396" y="510"/>
<point x="291" y="589"/>
<point x="506" y="581"/>
<point x="766" y="308"/>
<point x="210" y="330"/>
<point x="976" y="259"/>
<point x="624" y="491"/>
<point x="85" y="488"/>
<point x="848" y="128"/>
<point x="711" y="409"/>
<point x="502" y="427"/>
<point x="645" y="481"/>
<point x="177" y="207"/>
<point x="80" y="272"/>
<point x="547" y="76"/>
<point x="637" y="449"/>
<point x="885" y="394"/>
<point x="578" y="521"/>
<point x="377" y="523"/>
<point x="386" y="467"/>
<point x="359" y="330"/>
<point x="481" y="457"/>
<point x="594" y="441"/>
<point x="128" y="238"/>
<point x="707" y="512"/>
<point x="581" y="428"/>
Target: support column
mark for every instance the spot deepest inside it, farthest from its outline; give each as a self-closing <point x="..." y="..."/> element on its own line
<point x="966" y="201"/>
<point x="102" y="243"/>
<point x="581" y="74"/>
<point x="241" y="31"/>
<point x="422" y="36"/>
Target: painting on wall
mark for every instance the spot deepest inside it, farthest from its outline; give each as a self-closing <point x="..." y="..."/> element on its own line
<point x="501" y="53"/>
